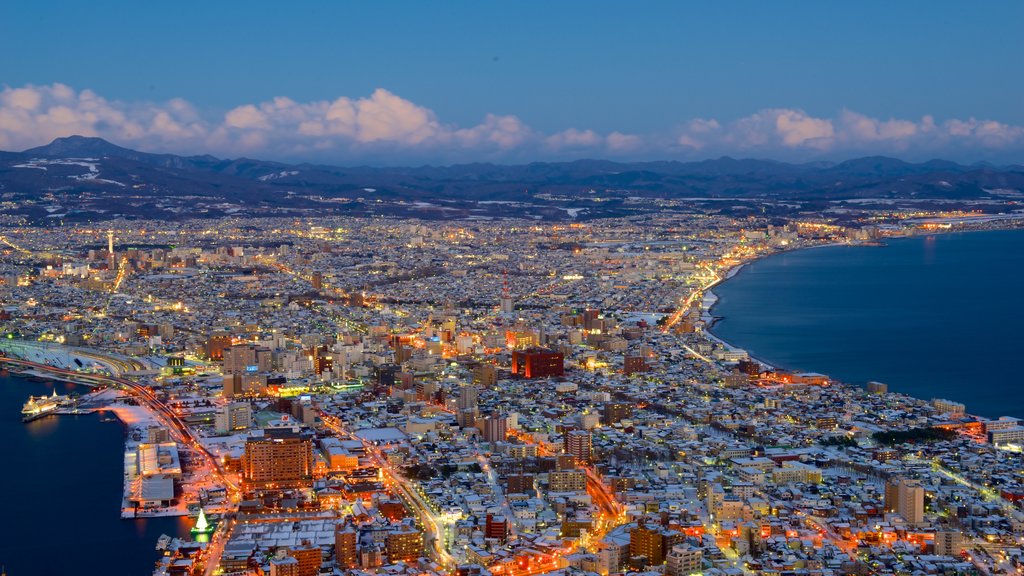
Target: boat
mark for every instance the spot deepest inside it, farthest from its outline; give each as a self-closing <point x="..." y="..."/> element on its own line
<point x="39" y="406"/>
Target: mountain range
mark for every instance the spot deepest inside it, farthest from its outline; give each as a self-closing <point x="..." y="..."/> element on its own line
<point x="83" y="178"/>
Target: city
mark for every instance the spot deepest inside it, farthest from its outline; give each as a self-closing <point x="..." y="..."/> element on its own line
<point x="499" y="397"/>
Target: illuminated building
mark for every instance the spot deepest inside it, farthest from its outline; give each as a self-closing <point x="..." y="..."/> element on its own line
<point x="281" y="458"/>
<point x="308" y="557"/>
<point x="567" y="481"/>
<point x="634" y="364"/>
<point x="404" y="543"/>
<point x="684" y="559"/>
<point x="949" y="542"/>
<point x="537" y="363"/>
<point x="242" y="358"/>
<point x="346" y="552"/>
<point x="485" y="375"/>
<point x="216" y="344"/>
<point x="233" y="416"/>
<point x="578" y="444"/>
<point x="615" y="412"/>
<point x="647" y="542"/>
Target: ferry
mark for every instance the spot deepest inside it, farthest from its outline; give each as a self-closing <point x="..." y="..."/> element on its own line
<point x="39" y="406"/>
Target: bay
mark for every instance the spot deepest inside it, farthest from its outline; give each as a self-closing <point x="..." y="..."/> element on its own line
<point x="935" y="316"/>
<point x="62" y="481"/>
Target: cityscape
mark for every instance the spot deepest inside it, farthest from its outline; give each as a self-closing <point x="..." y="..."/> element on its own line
<point x="498" y="397"/>
<point x="407" y="290"/>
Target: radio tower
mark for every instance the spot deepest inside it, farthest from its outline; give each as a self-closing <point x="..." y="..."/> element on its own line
<point x="507" y="307"/>
<point x="110" y="248"/>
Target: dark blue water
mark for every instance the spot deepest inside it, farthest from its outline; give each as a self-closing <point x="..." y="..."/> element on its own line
<point x="61" y="483"/>
<point x="932" y="316"/>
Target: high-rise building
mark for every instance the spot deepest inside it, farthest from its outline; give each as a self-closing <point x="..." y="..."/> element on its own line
<point x="537" y="363"/>
<point x="404" y="543"/>
<point x="647" y="542"/>
<point x="309" y="558"/>
<point x="317" y="280"/>
<point x="242" y="358"/>
<point x="216" y="343"/>
<point x="485" y="375"/>
<point x="615" y="412"/>
<point x="468" y="395"/>
<point x="281" y="458"/>
<point x="346" y="552"/>
<point x="233" y="416"/>
<point x="495" y="427"/>
<point x="906" y="498"/>
<point x="578" y="444"/>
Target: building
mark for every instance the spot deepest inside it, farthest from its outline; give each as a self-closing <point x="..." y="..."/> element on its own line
<point x="233" y="416"/>
<point x="906" y="498"/>
<point x="647" y="543"/>
<point x="404" y="543"/>
<point x="567" y="481"/>
<point x="467" y="397"/>
<point x="537" y="363"/>
<point x="1005" y="430"/>
<point x="519" y="483"/>
<point x="485" y="375"/>
<point x="615" y="412"/>
<point x="877" y="388"/>
<point x="684" y="559"/>
<point x="308" y="557"/>
<point x="949" y="542"/>
<point x="283" y="565"/>
<point x="242" y="358"/>
<point x="495" y="428"/>
<point x="280" y="458"/>
<point x="496" y="527"/>
<point x="634" y="364"/>
<point x="953" y="409"/>
<point x="578" y="444"/>
<point x="346" y="551"/>
<point x="216" y="344"/>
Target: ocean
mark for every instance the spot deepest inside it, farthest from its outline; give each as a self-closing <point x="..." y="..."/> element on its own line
<point x="62" y="481"/>
<point x="936" y="316"/>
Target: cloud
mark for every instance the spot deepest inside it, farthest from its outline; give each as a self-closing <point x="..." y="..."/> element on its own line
<point x="794" y="134"/>
<point x="385" y="127"/>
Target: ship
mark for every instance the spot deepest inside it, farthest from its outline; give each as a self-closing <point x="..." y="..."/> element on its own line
<point x="39" y="406"/>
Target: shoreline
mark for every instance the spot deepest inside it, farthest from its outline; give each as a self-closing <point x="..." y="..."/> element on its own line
<point x="711" y="320"/>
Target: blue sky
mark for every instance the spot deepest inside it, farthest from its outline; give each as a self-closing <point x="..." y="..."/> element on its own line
<point x="518" y="81"/>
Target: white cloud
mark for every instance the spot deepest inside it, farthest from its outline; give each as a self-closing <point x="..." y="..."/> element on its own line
<point x="384" y="125"/>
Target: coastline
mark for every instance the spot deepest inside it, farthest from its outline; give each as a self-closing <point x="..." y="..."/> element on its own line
<point x="712" y="299"/>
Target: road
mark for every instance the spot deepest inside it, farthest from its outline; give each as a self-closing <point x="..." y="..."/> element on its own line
<point x="407" y="490"/>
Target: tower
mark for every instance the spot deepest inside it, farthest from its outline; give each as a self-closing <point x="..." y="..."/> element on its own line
<point x="110" y="249"/>
<point x="507" y="307"/>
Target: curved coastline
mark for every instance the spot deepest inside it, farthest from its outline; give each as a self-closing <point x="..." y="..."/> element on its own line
<point x="712" y="300"/>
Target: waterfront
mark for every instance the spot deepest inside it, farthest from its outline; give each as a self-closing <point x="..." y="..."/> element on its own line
<point x="932" y="316"/>
<point x="64" y="511"/>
